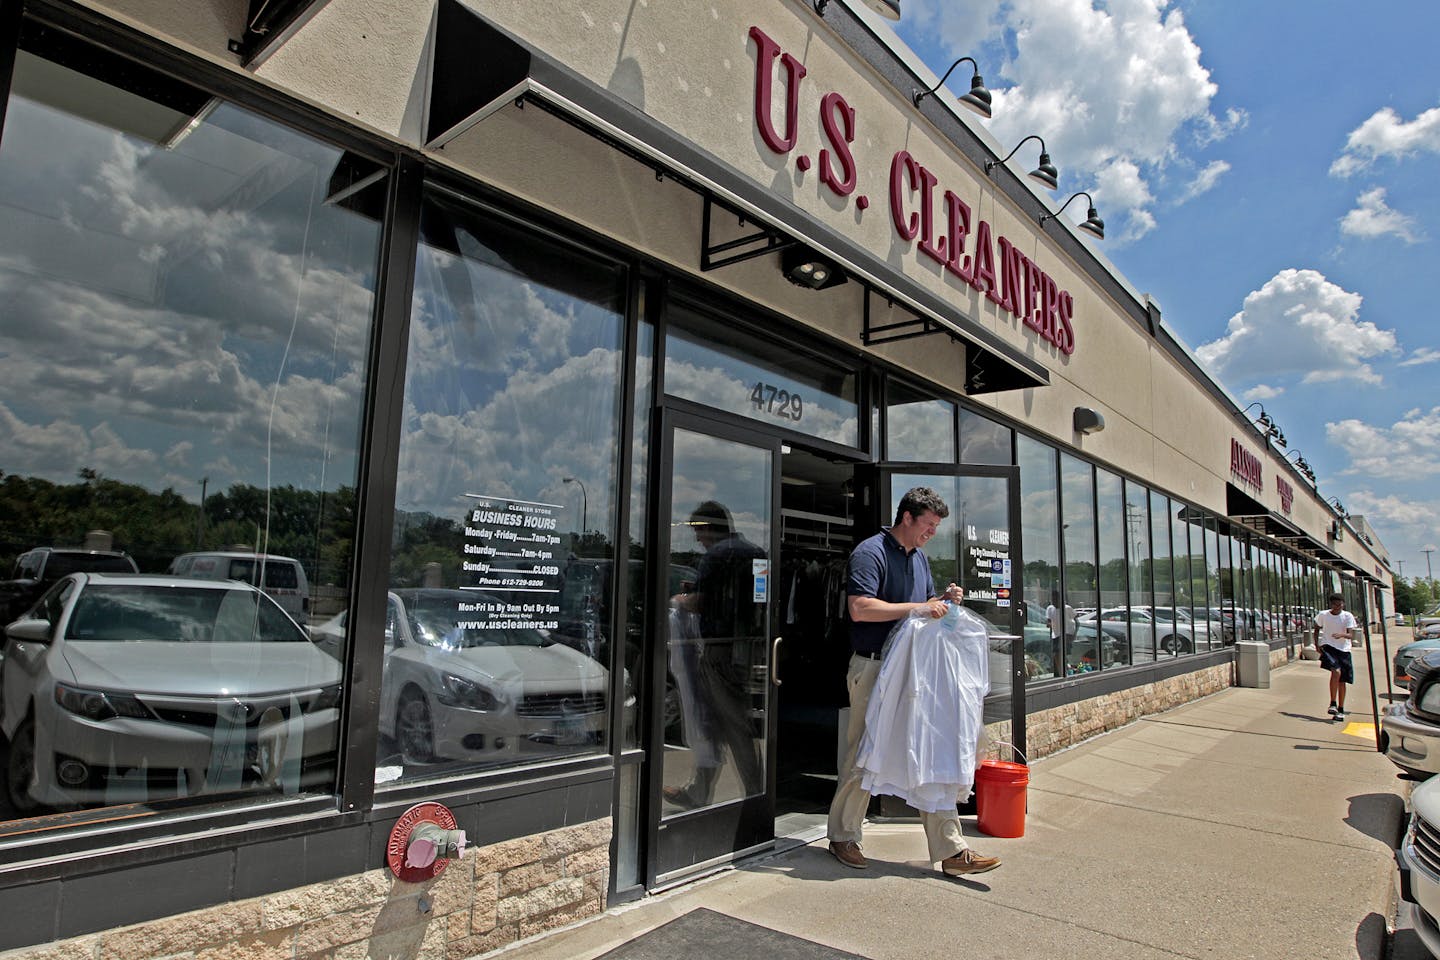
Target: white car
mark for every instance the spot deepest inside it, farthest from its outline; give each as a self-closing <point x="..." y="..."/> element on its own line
<point x="451" y="691"/>
<point x="1419" y="860"/>
<point x="123" y="687"/>
<point x="283" y="578"/>
<point x="1410" y="730"/>
<point x="1148" y="626"/>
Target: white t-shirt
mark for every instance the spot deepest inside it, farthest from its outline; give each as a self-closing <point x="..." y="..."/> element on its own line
<point x="1334" y="623"/>
<point x="1052" y="619"/>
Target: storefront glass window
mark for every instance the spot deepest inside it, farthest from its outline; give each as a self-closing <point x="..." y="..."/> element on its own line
<point x="502" y="563"/>
<point x="1142" y="598"/>
<point x="982" y="440"/>
<point x="724" y="366"/>
<point x="1077" y="504"/>
<point x="1114" y="617"/>
<point x="1183" y="554"/>
<point x="1199" y="578"/>
<point x="919" y="428"/>
<point x="1040" y="520"/>
<point x="1168" y="640"/>
<point x="188" y="291"/>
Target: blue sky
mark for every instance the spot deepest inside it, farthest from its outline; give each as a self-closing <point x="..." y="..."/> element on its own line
<point x="1265" y="171"/>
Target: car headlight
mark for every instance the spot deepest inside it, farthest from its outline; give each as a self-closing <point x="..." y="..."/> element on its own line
<point x="99" y="704"/>
<point x="466" y="694"/>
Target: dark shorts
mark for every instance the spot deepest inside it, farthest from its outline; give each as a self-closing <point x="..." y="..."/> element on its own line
<point x="1332" y="659"/>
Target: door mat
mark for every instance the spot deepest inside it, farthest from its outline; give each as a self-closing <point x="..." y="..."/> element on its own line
<point x="705" y="933"/>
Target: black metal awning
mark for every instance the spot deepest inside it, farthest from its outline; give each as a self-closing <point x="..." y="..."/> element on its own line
<point x="1251" y="513"/>
<point x="479" y="69"/>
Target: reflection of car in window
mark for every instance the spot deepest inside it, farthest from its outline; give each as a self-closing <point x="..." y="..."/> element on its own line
<point x="283" y="578"/>
<point x="457" y="688"/>
<point x="36" y="570"/>
<point x="128" y="687"/>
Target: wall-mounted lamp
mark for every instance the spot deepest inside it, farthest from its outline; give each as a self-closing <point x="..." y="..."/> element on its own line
<point x="978" y="99"/>
<point x="805" y="268"/>
<point x="889" y="9"/>
<point x="1339" y="507"/>
<point x="1302" y="464"/>
<point x="1093" y="225"/>
<point x="1267" y="425"/>
<point x="1088" y="421"/>
<point x="1044" y="173"/>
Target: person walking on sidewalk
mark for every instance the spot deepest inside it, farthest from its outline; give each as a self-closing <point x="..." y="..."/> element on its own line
<point x="887" y="578"/>
<point x="1334" y="630"/>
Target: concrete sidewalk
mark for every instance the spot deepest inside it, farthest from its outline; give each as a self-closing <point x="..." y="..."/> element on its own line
<point x="1246" y="824"/>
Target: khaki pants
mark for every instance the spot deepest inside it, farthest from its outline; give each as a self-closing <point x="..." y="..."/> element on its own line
<point x="847" y="810"/>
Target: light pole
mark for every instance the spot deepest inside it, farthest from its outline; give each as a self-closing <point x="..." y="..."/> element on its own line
<point x="1430" y="586"/>
<point x="584" y="505"/>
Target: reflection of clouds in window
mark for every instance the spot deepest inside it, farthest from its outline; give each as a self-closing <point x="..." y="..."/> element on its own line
<point x="721" y="389"/>
<point x="522" y="441"/>
<point x="152" y="292"/>
<point x="921" y="431"/>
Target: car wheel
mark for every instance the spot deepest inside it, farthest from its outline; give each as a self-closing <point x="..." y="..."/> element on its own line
<point x="1172" y="644"/>
<point x="414" y="730"/>
<point x="20" y="769"/>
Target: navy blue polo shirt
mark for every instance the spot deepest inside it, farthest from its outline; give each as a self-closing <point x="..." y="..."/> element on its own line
<point x="881" y="568"/>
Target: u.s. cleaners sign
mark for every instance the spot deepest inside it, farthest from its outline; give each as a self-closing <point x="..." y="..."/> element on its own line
<point x="939" y="221"/>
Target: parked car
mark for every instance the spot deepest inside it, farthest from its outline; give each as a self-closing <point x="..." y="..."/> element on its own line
<point x="1398" y="619"/>
<point x="1410" y="731"/>
<point x="1152" y="625"/>
<point x="38" y="569"/>
<point x="1419" y="860"/>
<point x="131" y="688"/>
<point x="452" y="691"/>
<point x="283" y="578"/>
<point x="1400" y="665"/>
<point x="1421" y="622"/>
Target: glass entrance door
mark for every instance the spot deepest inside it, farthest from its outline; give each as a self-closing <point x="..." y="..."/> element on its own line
<point x="712" y="776"/>
<point x="978" y="547"/>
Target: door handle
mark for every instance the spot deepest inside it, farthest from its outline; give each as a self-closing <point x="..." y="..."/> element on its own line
<point x="775" y="661"/>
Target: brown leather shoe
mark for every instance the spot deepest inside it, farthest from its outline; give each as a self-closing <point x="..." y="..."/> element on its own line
<point x="848" y="853"/>
<point x="966" y="862"/>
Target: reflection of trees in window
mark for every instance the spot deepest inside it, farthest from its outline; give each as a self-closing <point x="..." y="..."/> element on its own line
<point x="316" y="527"/>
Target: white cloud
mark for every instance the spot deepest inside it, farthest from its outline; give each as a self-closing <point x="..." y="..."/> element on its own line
<point x="1423" y="355"/>
<point x="1204" y="181"/>
<point x="1402" y="512"/>
<point x="961" y="26"/>
<point x="1263" y="391"/>
<point x="1298" y="323"/>
<point x="1374" y="218"/>
<point x="1110" y="88"/>
<point x="1410" y="447"/>
<point x="1385" y="134"/>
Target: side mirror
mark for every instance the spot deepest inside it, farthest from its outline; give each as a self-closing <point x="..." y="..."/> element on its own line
<point x="29" y="631"/>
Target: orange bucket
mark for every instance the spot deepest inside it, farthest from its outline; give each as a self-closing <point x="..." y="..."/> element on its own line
<point x="1000" y="797"/>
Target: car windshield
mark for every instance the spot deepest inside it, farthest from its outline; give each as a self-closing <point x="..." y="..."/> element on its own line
<point x="59" y="564"/>
<point x="137" y="613"/>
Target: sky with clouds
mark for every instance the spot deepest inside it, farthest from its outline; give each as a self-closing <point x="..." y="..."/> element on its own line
<point x="1265" y="173"/>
